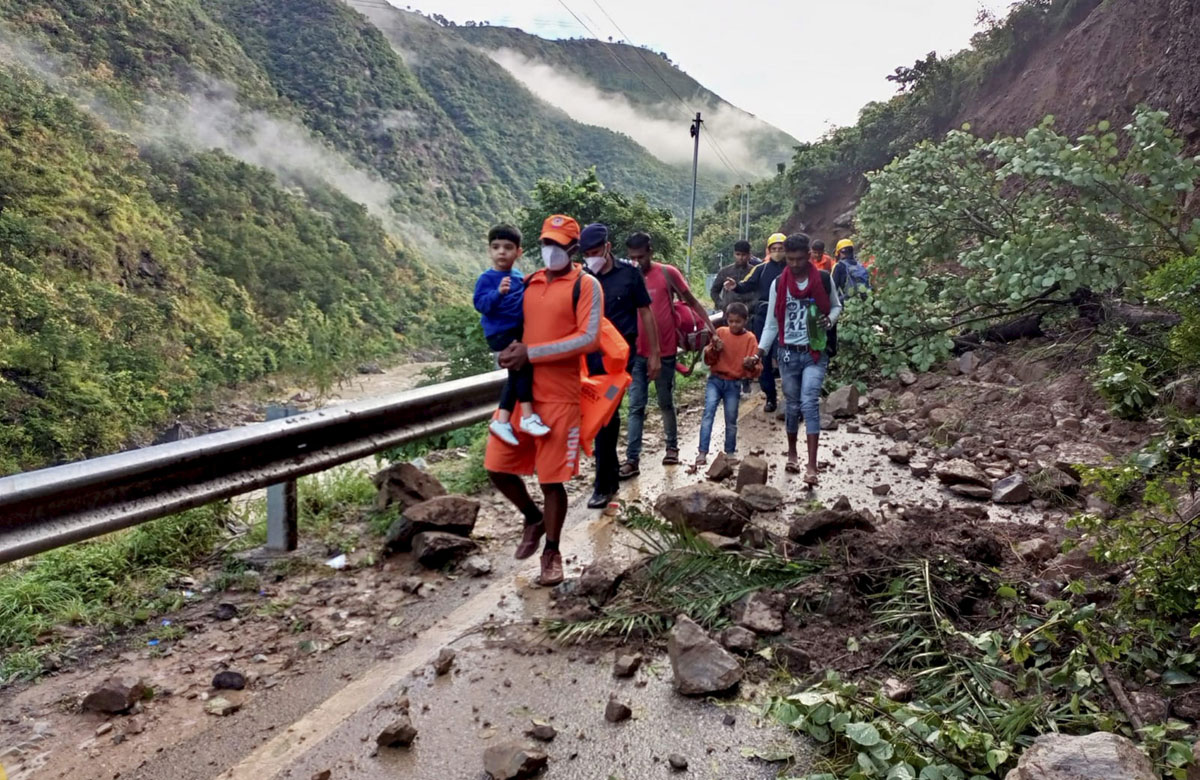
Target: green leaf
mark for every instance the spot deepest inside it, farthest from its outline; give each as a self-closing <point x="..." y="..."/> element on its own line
<point x="1006" y="592"/>
<point x="863" y="733"/>
<point x="1177" y="677"/>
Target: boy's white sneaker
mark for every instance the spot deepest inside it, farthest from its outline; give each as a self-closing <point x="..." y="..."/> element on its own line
<point x="534" y="426"/>
<point x="504" y="432"/>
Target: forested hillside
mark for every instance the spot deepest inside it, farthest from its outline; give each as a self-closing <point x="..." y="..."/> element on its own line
<point x="197" y="193"/>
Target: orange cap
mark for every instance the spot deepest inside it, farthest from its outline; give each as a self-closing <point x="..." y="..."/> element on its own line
<point x="560" y="229"/>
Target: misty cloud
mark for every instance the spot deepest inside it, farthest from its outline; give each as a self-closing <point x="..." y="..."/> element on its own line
<point x="668" y="140"/>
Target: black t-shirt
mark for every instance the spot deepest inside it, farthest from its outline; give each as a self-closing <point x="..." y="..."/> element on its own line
<point x="624" y="293"/>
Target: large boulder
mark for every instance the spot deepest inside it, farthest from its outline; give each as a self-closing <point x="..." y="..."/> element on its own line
<point x="705" y="507"/>
<point x="958" y="471"/>
<point x="435" y="549"/>
<point x="1012" y="490"/>
<point x="448" y="514"/>
<point x="406" y="485"/>
<point x="753" y="471"/>
<point x="824" y="524"/>
<point x="513" y="761"/>
<point x="843" y="402"/>
<point x="1098" y="756"/>
<point x="700" y="664"/>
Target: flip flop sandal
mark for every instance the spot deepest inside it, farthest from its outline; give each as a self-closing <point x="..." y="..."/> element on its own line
<point x="671" y="458"/>
<point x="792" y="467"/>
<point x="811" y="480"/>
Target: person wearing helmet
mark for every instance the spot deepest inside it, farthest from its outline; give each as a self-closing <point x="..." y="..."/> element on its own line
<point x="759" y="281"/>
<point x="850" y="276"/>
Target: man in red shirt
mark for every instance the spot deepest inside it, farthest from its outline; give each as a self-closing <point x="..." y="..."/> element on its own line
<point x="557" y="330"/>
<point x="664" y="283"/>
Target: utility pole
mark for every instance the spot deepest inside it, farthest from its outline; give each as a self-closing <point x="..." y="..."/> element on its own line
<point x="746" y="217"/>
<point x="695" y="131"/>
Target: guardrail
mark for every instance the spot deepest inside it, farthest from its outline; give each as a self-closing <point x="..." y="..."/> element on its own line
<point x="52" y="507"/>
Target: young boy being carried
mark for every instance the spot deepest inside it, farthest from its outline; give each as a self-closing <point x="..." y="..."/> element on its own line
<point x="499" y="298"/>
<point x="732" y="357"/>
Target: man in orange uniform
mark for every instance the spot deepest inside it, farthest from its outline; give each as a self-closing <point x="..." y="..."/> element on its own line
<point x="558" y="330"/>
<point x="822" y="261"/>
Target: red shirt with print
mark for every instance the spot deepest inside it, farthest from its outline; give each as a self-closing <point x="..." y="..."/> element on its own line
<point x="662" y="300"/>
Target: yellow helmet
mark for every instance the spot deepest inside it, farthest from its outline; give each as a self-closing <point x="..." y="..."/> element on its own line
<point x="845" y="243"/>
<point x="776" y="238"/>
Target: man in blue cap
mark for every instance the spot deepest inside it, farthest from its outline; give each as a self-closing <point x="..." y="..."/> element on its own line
<point x="626" y="300"/>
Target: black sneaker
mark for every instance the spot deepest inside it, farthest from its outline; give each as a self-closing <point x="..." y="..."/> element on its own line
<point x="770" y="407"/>
<point x="599" y="500"/>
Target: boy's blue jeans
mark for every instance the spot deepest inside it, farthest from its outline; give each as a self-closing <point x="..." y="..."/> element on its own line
<point x="718" y="391"/>
<point x="802" y="381"/>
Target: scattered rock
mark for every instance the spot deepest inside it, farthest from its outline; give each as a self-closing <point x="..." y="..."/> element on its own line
<point x="1098" y="756"/>
<point x="1187" y="706"/>
<point x="739" y="640"/>
<point x="762" y="498"/>
<point x="720" y="542"/>
<point x="1036" y="550"/>
<point x="406" y="485"/>
<point x="762" y="613"/>
<point x="1075" y="563"/>
<point x="116" y="694"/>
<point x="958" y="471"/>
<point x="754" y="537"/>
<point x="906" y="377"/>
<point x="476" y="566"/>
<point x="445" y="514"/>
<point x="753" y="471"/>
<point x="513" y="761"/>
<point x="435" y="549"/>
<point x="229" y="680"/>
<point x="843" y="402"/>
<point x="1068" y="456"/>
<point x="881" y="490"/>
<point x="826" y="523"/>
<point x="792" y="658"/>
<point x="1098" y="506"/>
<point x="1053" y="484"/>
<point x="971" y="491"/>
<point x="543" y="732"/>
<point x="677" y="762"/>
<point x="225" y="611"/>
<point x="1012" y="489"/>
<point x="919" y="469"/>
<point x="444" y="661"/>
<point x="324" y="774"/>
<point x="600" y="579"/>
<point x="721" y="469"/>
<point x="220" y="706"/>
<point x="705" y="507"/>
<point x="896" y="690"/>
<point x="944" y="416"/>
<point x="627" y="665"/>
<point x="370" y="367"/>
<point x="968" y="362"/>
<point x="900" y="453"/>
<point x="701" y="666"/>
<point x="399" y="733"/>
<point x="1150" y="706"/>
<point x="616" y="712"/>
<point x="103" y="729"/>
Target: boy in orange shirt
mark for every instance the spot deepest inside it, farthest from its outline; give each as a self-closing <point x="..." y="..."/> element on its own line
<point x="732" y="357"/>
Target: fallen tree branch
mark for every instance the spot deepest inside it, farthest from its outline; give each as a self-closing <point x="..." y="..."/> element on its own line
<point x="1118" y="691"/>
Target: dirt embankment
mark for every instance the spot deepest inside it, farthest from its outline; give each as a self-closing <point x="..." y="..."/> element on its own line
<point x="1120" y="55"/>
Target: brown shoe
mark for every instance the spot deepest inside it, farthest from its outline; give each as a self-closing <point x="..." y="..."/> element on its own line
<point x="552" y="569"/>
<point x="530" y="539"/>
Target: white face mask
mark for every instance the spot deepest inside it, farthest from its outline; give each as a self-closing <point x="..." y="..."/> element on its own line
<point x="595" y="264"/>
<point x="555" y="257"/>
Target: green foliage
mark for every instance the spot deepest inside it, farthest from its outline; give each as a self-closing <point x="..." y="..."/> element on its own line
<point x="456" y="331"/>
<point x="1026" y="223"/>
<point x="1122" y="382"/>
<point x="110" y="581"/>
<point x="587" y="200"/>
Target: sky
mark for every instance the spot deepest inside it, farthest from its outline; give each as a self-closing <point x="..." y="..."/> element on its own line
<point x="802" y="65"/>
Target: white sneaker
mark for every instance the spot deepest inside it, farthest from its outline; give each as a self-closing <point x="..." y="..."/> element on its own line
<point x="504" y="432"/>
<point x="534" y="426"/>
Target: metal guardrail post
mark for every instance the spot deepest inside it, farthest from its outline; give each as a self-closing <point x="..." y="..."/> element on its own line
<point x="283" y="513"/>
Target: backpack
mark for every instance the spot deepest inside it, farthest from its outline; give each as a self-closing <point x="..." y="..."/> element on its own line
<point x="691" y="330"/>
<point x="857" y="276"/>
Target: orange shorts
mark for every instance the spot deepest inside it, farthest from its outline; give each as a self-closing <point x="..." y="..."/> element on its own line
<point x="554" y="457"/>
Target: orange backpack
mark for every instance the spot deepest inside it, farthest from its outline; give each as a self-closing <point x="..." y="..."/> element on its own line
<point x="600" y="395"/>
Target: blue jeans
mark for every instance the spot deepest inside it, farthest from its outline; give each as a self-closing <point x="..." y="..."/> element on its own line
<point x="729" y="392"/>
<point x="802" y="381"/>
<point x="664" y="386"/>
